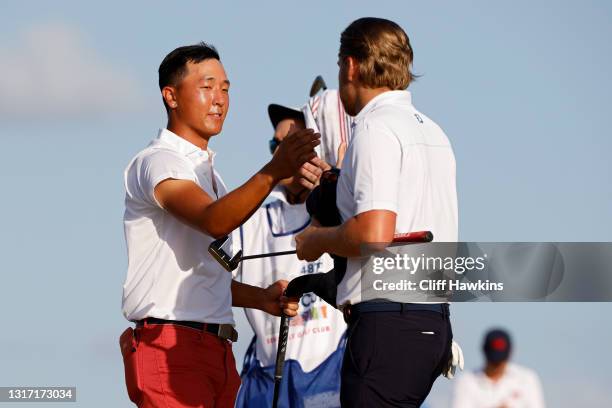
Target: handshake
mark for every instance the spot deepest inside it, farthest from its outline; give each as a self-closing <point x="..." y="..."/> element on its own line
<point x="296" y="166"/>
<point x="297" y="169"/>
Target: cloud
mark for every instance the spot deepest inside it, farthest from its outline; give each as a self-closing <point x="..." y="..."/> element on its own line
<point x="50" y="73"/>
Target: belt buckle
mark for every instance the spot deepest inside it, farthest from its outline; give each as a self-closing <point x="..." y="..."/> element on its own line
<point x="227" y="332"/>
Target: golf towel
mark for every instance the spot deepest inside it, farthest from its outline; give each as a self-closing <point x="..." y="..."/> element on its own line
<point x="325" y="114"/>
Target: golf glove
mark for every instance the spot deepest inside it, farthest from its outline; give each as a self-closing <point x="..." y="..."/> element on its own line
<point x="455" y="360"/>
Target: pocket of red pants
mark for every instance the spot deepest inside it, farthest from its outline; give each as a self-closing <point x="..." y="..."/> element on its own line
<point x="129" y="348"/>
<point x="185" y="350"/>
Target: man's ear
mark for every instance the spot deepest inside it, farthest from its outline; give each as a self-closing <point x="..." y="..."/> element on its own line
<point x="352" y="68"/>
<point x="169" y="95"/>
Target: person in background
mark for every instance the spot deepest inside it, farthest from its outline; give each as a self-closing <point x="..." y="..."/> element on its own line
<point x="500" y="383"/>
<point x="316" y="336"/>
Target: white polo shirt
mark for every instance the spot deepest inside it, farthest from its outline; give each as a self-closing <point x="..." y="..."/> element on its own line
<point x="170" y="273"/>
<point x="519" y="387"/>
<point x="398" y="160"/>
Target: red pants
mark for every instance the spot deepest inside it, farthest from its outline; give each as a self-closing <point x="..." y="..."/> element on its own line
<point x="175" y="366"/>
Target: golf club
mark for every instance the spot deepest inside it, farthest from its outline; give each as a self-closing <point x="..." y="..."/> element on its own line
<point x="230" y="263"/>
<point x="317" y="85"/>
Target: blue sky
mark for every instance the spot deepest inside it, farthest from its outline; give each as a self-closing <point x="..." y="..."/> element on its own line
<point x="521" y="88"/>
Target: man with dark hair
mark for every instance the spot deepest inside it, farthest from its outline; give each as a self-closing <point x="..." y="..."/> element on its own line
<point x="174" y="66"/>
<point x="500" y="384"/>
<point x="398" y="176"/>
<point x="175" y="205"/>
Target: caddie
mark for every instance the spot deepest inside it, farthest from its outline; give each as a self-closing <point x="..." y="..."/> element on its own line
<point x="398" y="176"/>
<point x="315" y="344"/>
<point x="179" y="297"/>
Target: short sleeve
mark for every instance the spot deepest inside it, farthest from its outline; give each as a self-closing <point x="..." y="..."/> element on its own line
<point x="159" y="166"/>
<point x="376" y="160"/>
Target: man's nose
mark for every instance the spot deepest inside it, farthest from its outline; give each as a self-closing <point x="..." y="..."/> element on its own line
<point x="219" y="98"/>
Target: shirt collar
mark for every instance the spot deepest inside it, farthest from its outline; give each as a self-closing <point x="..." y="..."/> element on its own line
<point x="177" y="143"/>
<point x="385" y="98"/>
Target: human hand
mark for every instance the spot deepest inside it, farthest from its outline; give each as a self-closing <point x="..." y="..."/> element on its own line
<point x="310" y="172"/>
<point x="276" y="303"/>
<point x="295" y="150"/>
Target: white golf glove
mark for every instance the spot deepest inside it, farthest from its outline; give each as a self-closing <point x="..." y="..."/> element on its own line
<point x="455" y="360"/>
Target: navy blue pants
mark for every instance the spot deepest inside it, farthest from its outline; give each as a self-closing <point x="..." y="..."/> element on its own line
<point x="393" y="358"/>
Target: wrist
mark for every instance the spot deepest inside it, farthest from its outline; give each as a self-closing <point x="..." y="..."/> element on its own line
<point x="322" y="240"/>
<point x="271" y="172"/>
<point x="261" y="300"/>
<point x="329" y="240"/>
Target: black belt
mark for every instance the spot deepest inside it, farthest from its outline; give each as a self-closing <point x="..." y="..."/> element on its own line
<point x="352" y="311"/>
<point x="224" y="331"/>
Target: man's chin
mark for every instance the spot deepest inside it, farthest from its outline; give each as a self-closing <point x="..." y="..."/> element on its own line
<point x="211" y="131"/>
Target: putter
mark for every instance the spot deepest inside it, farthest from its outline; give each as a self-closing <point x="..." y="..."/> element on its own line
<point x="230" y="263"/>
<point x="283" y="336"/>
<point x="317" y="85"/>
<point x="296" y="288"/>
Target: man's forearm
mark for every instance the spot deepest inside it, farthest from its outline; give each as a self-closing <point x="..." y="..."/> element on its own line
<point x="247" y="296"/>
<point x="364" y="233"/>
<point x="186" y="200"/>
<point x="230" y="211"/>
<point x="341" y="240"/>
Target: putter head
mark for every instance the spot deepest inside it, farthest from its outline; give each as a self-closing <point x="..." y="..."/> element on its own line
<point x="229" y="263"/>
<point x="317" y="85"/>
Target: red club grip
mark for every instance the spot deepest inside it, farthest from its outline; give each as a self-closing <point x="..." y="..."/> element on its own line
<point x="418" y="236"/>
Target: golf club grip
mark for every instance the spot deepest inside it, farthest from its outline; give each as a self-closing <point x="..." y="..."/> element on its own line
<point x="418" y="236"/>
<point x="277" y="383"/>
<point x="283" y="336"/>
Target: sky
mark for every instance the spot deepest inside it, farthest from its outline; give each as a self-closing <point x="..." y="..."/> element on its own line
<point x="521" y="88"/>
